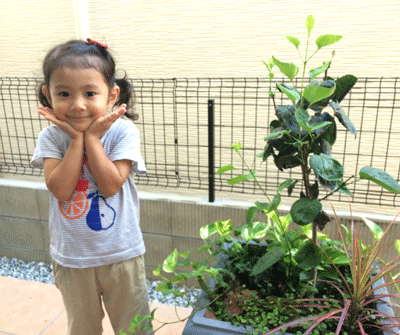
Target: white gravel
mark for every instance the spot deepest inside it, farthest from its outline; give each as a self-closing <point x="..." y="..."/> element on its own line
<point x="42" y="272"/>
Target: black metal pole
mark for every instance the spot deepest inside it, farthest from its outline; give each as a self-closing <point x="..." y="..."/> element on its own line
<point x="211" y="192"/>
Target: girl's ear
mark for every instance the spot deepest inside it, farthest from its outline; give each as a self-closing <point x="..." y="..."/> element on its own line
<point x="46" y="93"/>
<point x="114" y="93"/>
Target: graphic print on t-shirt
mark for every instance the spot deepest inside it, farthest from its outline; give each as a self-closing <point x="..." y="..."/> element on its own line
<point x="78" y="204"/>
<point x="101" y="215"/>
<point x="96" y="219"/>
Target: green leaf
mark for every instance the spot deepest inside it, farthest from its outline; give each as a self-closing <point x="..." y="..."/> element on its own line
<point x="137" y="320"/>
<point x="290" y="70"/>
<point x="327" y="167"/>
<point x="276" y="201"/>
<point x="314" y="190"/>
<point x="184" y="263"/>
<point x="322" y="219"/>
<point x="185" y="254"/>
<point x="268" y="151"/>
<point x="267" y="260"/>
<point x="282" y="221"/>
<point x="265" y="206"/>
<point x="305" y="210"/>
<point x="285" y="184"/>
<point x="375" y="229"/>
<point x="256" y="230"/>
<point x="275" y="134"/>
<point x="212" y="272"/>
<point x="291" y="187"/>
<point x="308" y="256"/>
<point x="203" y="248"/>
<point x="319" y="125"/>
<point x="314" y="93"/>
<point x="321" y="104"/>
<point x="302" y="118"/>
<point x="170" y="262"/>
<point x="348" y="234"/>
<point x="397" y="245"/>
<point x="241" y="178"/>
<point x="208" y="230"/>
<point x="327" y="39"/>
<point x="343" y="118"/>
<point x="310" y="22"/>
<point x="305" y="121"/>
<point x="338" y="257"/>
<point x="295" y="41"/>
<point x="307" y="230"/>
<point x="381" y="178"/>
<point x="342" y="188"/>
<point x="225" y="168"/>
<point x="317" y="71"/>
<point x="224" y="227"/>
<point x="329" y="134"/>
<point x="165" y="287"/>
<point x="251" y="214"/>
<point x="343" y="86"/>
<point x="292" y="94"/>
<point x="236" y="146"/>
<point x="268" y="65"/>
<point x="157" y="271"/>
<point x="269" y="207"/>
<point x="286" y="113"/>
<point x="287" y="161"/>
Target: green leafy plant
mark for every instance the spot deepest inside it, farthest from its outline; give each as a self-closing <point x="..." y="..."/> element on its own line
<point x="300" y="140"/>
<point x="357" y="309"/>
<point x="302" y="270"/>
<point x="236" y="250"/>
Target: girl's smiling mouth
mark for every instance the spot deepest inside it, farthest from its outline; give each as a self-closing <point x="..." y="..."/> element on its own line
<point x="77" y="118"/>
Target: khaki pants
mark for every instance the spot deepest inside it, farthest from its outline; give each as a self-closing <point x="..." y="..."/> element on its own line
<point x="121" y="286"/>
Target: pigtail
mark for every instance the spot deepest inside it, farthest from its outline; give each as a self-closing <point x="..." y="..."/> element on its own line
<point x="42" y="98"/>
<point x="127" y="96"/>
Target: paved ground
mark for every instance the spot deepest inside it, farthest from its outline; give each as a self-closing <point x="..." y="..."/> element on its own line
<point x="30" y="308"/>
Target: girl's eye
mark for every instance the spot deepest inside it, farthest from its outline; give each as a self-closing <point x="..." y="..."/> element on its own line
<point x="63" y="94"/>
<point x="90" y="94"/>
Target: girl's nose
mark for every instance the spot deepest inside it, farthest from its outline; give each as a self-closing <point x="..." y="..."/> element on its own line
<point x="78" y="104"/>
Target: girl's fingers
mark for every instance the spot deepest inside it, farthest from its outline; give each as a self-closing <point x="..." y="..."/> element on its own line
<point x="46" y="112"/>
<point x="121" y="110"/>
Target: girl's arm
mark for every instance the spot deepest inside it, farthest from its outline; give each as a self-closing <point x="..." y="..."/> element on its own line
<point x="61" y="176"/>
<point x="109" y="176"/>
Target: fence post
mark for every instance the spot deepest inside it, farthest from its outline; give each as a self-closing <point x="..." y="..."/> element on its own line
<point x="211" y="192"/>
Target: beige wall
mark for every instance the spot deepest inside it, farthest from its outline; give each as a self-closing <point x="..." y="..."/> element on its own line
<point x="166" y="39"/>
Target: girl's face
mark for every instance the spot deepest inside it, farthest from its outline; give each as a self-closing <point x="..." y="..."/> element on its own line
<point x="80" y="96"/>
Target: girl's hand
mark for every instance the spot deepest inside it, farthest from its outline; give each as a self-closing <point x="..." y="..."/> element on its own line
<point x="63" y="125"/>
<point x="102" y="124"/>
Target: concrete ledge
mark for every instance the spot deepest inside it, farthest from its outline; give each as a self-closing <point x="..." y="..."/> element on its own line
<point x="168" y="221"/>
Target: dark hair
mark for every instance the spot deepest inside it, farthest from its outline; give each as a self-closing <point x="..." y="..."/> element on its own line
<point x="79" y="54"/>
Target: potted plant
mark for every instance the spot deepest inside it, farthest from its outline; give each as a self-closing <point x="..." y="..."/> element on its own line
<point x="272" y="278"/>
<point x="246" y="309"/>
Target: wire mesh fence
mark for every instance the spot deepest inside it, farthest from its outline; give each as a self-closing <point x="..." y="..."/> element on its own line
<point x="173" y="120"/>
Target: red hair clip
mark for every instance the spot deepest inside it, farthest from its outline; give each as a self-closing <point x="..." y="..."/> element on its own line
<point x="101" y="45"/>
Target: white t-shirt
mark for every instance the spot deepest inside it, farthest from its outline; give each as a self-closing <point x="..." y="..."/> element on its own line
<point x="91" y="230"/>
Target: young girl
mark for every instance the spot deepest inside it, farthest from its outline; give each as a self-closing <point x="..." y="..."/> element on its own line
<point x="87" y="156"/>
